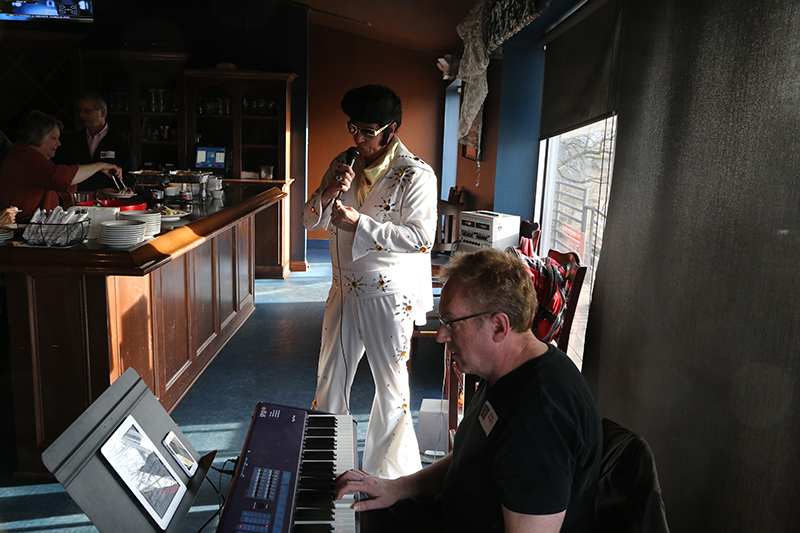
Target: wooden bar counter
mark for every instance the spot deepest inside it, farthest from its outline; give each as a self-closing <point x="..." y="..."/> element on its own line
<point x="79" y="317"/>
<point x="272" y="227"/>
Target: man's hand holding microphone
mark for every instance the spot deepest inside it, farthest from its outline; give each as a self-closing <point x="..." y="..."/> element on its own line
<point x="342" y="216"/>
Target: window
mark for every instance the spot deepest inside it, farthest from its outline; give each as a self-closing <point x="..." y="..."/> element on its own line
<point x="575" y="171"/>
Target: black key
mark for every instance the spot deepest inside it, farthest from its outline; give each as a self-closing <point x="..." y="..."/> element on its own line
<point x="315" y="484"/>
<point x="316" y="469"/>
<point x="315" y="500"/>
<point x="312" y="528"/>
<point x="313" y="514"/>
<point x="319" y="455"/>
<point x="319" y="443"/>
<point x="318" y="421"/>
<point x="321" y="432"/>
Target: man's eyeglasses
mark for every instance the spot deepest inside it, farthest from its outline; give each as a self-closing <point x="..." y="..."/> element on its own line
<point x="367" y="133"/>
<point x="87" y="110"/>
<point x="448" y="323"/>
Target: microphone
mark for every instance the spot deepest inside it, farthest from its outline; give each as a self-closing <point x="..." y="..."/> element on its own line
<point x="349" y="160"/>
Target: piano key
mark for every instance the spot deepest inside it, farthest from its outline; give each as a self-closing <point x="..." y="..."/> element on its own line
<point x="319" y="455"/>
<point x="313" y="528"/>
<point x="320" y="443"/>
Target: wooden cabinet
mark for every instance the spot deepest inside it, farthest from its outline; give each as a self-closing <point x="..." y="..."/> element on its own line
<point x="144" y="94"/>
<point x="246" y="111"/>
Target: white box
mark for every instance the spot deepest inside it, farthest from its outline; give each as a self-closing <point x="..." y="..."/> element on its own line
<point x="487" y="229"/>
<point x="432" y="432"/>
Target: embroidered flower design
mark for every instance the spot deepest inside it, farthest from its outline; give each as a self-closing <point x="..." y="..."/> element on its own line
<point x="377" y="247"/>
<point x="405" y="309"/>
<point x="385" y="207"/>
<point x="381" y="282"/>
<point x="354" y="285"/>
<point x="423" y="247"/>
<point x="406" y="177"/>
<point x="401" y="352"/>
<point x="401" y="176"/>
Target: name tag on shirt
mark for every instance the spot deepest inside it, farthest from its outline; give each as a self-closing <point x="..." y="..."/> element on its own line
<point x="488" y="418"/>
<point x="107" y="154"/>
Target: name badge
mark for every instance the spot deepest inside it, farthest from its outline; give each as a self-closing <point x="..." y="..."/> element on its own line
<point x="107" y="154"/>
<point x="488" y="418"/>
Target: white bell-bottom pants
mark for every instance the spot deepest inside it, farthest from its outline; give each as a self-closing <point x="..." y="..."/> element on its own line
<point x="381" y="326"/>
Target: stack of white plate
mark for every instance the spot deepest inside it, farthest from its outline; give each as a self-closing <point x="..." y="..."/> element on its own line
<point x="5" y="234"/>
<point x="122" y="233"/>
<point x="152" y="219"/>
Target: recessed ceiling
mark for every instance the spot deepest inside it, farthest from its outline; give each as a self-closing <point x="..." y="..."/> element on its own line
<point x="427" y="26"/>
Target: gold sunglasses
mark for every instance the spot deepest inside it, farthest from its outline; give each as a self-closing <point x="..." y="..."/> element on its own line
<point x="367" y="133"/>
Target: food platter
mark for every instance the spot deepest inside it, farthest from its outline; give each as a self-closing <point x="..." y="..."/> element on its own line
<point x="114" y="193"/>
<point x="170" y="215"/>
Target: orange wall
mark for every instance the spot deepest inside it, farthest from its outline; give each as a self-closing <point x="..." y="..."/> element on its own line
<point x="339" y="61"/>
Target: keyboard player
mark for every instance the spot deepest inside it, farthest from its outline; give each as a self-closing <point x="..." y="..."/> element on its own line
<point x="527" y="453"/>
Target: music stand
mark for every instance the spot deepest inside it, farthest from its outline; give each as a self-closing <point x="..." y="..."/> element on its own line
<point x="75" y="459"/>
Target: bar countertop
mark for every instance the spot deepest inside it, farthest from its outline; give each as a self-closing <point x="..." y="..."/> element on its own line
<point x="207" y="219"/>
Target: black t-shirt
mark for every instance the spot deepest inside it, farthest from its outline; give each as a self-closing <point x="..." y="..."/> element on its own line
<point x="541" y="455"/>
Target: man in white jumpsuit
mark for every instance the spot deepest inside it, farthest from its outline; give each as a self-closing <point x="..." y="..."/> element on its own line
<point x="381" y="231"/>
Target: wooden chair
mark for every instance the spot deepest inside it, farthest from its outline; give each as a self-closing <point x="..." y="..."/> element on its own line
<point x="529" y="234"/>
<point x="574" y="274"/>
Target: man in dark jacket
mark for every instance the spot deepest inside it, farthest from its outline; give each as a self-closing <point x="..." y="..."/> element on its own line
<point x="95" y="142"/>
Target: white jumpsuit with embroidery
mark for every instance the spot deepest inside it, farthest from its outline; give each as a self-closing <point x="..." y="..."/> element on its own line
<point x="381" y="285"/>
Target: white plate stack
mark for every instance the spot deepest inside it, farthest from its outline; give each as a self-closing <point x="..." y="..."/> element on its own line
<point x="5" y="234"/>
<point x="122" y="233"/>
<point x="152" y="220"/>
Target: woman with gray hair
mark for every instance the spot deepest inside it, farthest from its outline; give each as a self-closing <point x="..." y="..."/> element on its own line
<point x="28" y="177"/>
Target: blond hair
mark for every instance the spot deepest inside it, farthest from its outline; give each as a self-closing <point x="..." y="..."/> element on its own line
<point x="496" y="281"/>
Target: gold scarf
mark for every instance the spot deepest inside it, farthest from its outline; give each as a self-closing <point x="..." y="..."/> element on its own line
<point x="370" y="176"/>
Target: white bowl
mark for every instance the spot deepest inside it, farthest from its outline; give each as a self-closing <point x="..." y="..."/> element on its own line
<point x="217" y="194"/>
<point x="171" y="191"/>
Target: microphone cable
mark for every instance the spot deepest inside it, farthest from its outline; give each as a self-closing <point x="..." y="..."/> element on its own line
<point x="350" y="160"/>
<point x="345" y="388"/>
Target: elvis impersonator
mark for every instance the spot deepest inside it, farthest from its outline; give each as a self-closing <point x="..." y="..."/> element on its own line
<point x="379" y="204"/>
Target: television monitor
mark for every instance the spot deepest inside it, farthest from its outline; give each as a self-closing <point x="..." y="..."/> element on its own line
<point x="77" y="10"/>
<point x="211" y="158"/>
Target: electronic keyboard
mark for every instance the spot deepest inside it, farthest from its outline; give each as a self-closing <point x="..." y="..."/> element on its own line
<point x="284" y="478"/>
